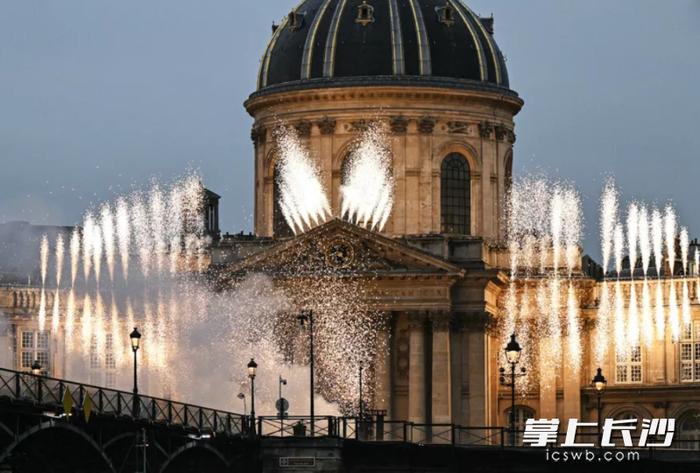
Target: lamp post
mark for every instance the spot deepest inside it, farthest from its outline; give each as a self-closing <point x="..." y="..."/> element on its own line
<point x="36" y="368"/>
<point x="280" y="383"/>
<point x="135" y="337"/>
<point x="513" y="351"/>
<point x="599" y="383"/>
<point x="304" y="317"/>
<point x="245" y="407"/>
<point x="252" y="367"/>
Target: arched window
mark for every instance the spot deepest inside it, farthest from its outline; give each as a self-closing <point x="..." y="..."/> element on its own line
<point x="522" y="414"/>
<point x="688" y="432"/>
<point x="455" y="195"/>
<point x="280" y="228"/>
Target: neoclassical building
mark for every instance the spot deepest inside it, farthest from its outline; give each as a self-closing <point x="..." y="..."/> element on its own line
<point x="432" y="73"/>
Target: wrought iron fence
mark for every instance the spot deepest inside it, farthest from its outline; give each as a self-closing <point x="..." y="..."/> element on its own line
<point x="51" y="394"/>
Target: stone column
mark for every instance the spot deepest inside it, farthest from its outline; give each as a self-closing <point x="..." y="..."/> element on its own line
<point x="416" y="369"/>
<point x="442" y="371"/>
<point x="548" y="388"/>
<point x="477" y="353"/>
<point x="382" y="395"/>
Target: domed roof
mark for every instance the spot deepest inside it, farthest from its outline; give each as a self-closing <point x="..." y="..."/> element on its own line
<point x="374" y="42"/>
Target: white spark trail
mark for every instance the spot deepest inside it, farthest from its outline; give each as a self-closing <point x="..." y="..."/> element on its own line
<point x="608" y="217"/>
<point x="670" y="236"/>
<point x="302" y="198"/>
<point x="367" y="193"/>
<point x="60" y="253"/>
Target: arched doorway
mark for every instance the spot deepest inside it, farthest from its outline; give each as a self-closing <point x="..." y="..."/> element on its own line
<point x="688" y="430"/>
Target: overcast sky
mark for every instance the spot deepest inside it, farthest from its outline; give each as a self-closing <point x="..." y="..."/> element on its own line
<point x="98" y="96"/>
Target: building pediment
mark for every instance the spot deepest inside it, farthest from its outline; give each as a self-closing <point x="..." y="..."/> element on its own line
<point x="342" y="249"/>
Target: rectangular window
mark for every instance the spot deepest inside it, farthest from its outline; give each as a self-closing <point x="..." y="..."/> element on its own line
<point x="628" y="367"/>
<point x="27" y="359"/>
<point x="35" y="346"/>
<point x="28" y="340"/>
<point x="689" y="353"/>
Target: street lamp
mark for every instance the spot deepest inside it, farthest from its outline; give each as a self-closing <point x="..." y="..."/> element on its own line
<point x="513" y="351"/>
<point x="135" y="337"/>
<point x="599" y="383"/>
<point x="242" y="396"/>
<point x="304" y="317"/>
<point x="36" y="368"/>
<point x="252" y="367"/>
<point x="281" y="382"/>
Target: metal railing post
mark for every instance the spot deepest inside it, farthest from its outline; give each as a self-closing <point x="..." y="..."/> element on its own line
<point x="170" y="412"/>
<point x="17" y="385"/>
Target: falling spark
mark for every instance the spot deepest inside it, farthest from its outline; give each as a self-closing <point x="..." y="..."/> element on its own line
<point x="302" y="197"/>
<point x="88" y="230"/>
<point x="107" y="220"/>
<point x="142" y="233"/>
<point x="42" y="311"/>
<point x="44" y="258"/>
<point x="572" y="228"/>
<point x="632" y="235"/>
<point x="657" y="238"/>
<point x="511" y="306"/>
<point x="74" y="255"/>
<point x="620" y="335"/>
<point x="633" y="318"/>
<point x="157" y="223"/>
<point x="603" y="324"/>
<point x="574" y="335"/>
<point x="55" y="313"/>
<point x="660" y="313"/>
<point x="367" y="190"/>
<point x="670" y="235"/>
<point x="70" y="319"/>
<point x="60" y="251"/>
<point x="685" y="247"/>
<point x="673" y="313"/>
<point x="556" y="227"/>
<point x="619" y="240"/>
<point x="608" y="217"/>
<point x="647" y="323"/>
<point x="685" y="305"/>
<point x="86" y="324"/>
<point x="123" y="235"/>
<point x="97" y="251"/>
<point x="644" y="238"/>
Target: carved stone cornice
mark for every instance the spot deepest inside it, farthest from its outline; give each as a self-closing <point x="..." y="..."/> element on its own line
<point x="326" y="126"/>
<point x="357" y="125"/>
<point x="457" y="127"/>
<point x="511" y="136"/>
<point x="441" y="320"/>
<point x="485" y="129"/>
<point x="303" y="128"/>
<point x="501" y="132"/>
<point x="398" y="124"/>
<point x="426" y="124"/>
<point x="258" y="134"/>
<point x="416" y="320"/>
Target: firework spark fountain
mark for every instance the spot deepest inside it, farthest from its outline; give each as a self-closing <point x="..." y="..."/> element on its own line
<point x="74" y="255"/>
<point x="44" y="257"/>
<point x="59" y="255"/>
<point x="367" y="191"/>
<point x="303" y="199"/>
<point x="608" y="217"/>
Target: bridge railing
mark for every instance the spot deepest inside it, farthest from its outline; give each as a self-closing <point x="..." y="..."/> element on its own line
<point x="50" y="393"/>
